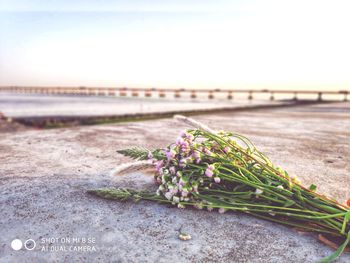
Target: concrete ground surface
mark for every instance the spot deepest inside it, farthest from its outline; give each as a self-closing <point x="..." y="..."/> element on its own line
<point x="44" y="176"/>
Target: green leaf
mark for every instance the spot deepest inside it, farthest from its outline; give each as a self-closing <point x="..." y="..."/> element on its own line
<point x="313" y="187"/>
<point x="135" y="153"/>
<point x="113" y="193"/>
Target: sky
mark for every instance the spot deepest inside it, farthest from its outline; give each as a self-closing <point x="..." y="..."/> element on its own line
<point x="299" y="44"/>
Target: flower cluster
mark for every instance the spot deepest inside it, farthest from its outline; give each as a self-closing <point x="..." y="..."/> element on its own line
<point x="194" y="163"/>
<point x="186" y="167"/>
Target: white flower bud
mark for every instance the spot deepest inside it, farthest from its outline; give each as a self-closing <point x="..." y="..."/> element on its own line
<point x="168" y="195"/>
<point x="258" y="191"/>
<point x="181" y="206"/>
<point x="222" y="210"/>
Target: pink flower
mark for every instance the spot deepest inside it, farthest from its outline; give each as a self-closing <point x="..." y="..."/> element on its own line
<point x="189" y="137"/>
<point x="175" y="190"/>
<point x="182" y="182"/>
<point x="196" y="154"/>
<point x="183" y="134"/>
<point x="183" y="163"/>
<point x="209" y="172"/>
<point x="185" y="145"/>
<point x="159" y="165"/>
<point x="184" y="192"/>
<point x="185" y="149"/>
<point x="186" y="135"/>
<point x="207" y="151"/>
<point x="211" y="167"/>
<point x="227" y="149"/>
<point x="170" y="154"/>
<point x="179" y="141"/>
<point x="217" y="179"/>
<point x="172" y="170"/>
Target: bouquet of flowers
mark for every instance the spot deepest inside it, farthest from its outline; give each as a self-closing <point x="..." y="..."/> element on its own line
<point x="224" y="171"/>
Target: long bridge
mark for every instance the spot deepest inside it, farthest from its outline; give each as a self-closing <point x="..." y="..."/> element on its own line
<point x="176" y="93"/>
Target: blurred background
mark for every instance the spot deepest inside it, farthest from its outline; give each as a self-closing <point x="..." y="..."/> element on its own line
<point x="147" y="54"/>
<point x="176" y="44"/>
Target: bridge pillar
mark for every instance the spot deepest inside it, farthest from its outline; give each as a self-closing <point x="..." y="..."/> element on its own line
<point x="100" y="92"/>
<point x="193" y="94"/>
<point x="111" y="92"/>
<point x="229" y="95"/>
<point x="135" y="93"/>
<point x="211" y="95"/>
<point x="122" y="92"/>
<point x="250" y="96"/>
<point x="319" y="98"/>
<point x="148" y="93"/>
<point x="295" y="96"/>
